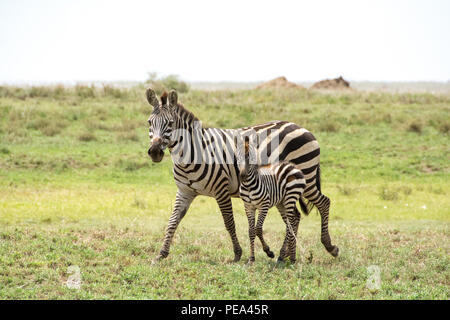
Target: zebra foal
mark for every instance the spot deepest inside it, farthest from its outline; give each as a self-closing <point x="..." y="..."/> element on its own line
<point x="262" y="187"/>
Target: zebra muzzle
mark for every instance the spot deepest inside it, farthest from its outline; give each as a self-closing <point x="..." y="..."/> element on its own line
<point x="156" y="153"/>
<point x="242" y="175"/>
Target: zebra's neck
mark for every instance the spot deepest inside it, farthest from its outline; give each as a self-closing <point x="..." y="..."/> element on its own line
<point x="252" y="176"/>
<point x="185" y="121"/>
<point x="187" y="137"/>
<point x="193" y="145"/>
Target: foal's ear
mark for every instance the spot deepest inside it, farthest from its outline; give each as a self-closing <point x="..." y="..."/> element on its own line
<point x="246" y="145"/>
<point x="173" y="98"/>
<point x="151" y="98"/>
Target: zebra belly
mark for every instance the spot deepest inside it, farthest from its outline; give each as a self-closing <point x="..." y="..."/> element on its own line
<point x="197" y="187"/>
<point x="258" y="202"/>
<point x="296" y="144"/>
<point x="211" y="184"/>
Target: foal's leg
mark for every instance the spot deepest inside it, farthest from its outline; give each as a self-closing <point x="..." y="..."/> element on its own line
<point x="259" y="232"/>
<point x="283" y="249"/>
<point x="294" y="219"/>
<point x="294" y="224"/>
<point x="250" y="212"/>
<point x="292" y="238"/>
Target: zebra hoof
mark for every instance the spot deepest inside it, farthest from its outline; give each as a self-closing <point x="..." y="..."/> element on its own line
<point x="335" y="251"/>
<point x="280" y="259"/>
<point x="270" y="254"/>
<point x="157" y="260"/>
<point x="250" y="261"/>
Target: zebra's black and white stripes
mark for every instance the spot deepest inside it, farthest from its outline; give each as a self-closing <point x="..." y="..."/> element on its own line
<point x="204" y="162"/>
<point x="263" y="187"/>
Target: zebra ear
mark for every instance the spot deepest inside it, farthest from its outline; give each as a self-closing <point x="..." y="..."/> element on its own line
<point x="173" y="98"/>
<point x="151" y="98"/>
<point x="237" y="139"/>
<point x="164" y="98"/>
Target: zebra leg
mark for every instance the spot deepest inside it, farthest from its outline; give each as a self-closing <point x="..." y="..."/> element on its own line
<point x="296" y="221"/>
<point x="293" y="217"/>
<point x="292" y="238"/>
<point x="292" y="221"/>
<point x="294" y="224"/>
<point x="322" y="202"/>
<point x="284" y="247"/>
<point x="259" y="232"/>
<point x="182" y="203"/>
<point x="226" y="209"/>
<point x="283" y="250"/>
<point x="250" y="212"/>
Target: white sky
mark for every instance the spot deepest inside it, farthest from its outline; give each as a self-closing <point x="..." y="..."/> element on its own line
<point x="61" y="40"/>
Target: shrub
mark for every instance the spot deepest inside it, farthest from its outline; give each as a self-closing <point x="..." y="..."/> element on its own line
<point x="166" y="83"/>
<point x="116" y="93"/>
<point x="387" y="118"/>
<point x="38" y="124"/>
<point x="85" y="91"/>
<point x="139" y="203"/>
<point x="94" y="124"/>
<point x="87" y="136"/>
<point x="415" y="126"/>
<point x="51" y="130"/>
<point x="124" y="136"/>
<point x="4" y="92"/>
<point x="128" y="125"/>
<point x="40" y="92"/>
<point x="388" y="194"/>
<point x="444" y="128"/>
<point x="47" y="127"/>
<point x="13" y="92"/>
<point x="405" y="190"/>
<point x="347" y="190"/>
<point x="329" y="126"/>
<point x="59" y="91"/>
<point x="130" y="164"/>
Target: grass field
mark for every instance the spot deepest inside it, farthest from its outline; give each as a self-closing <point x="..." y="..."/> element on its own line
<point x="78" y="189"/>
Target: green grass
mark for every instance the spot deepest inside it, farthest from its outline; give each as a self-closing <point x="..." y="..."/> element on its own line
<point x="78" y="189"/>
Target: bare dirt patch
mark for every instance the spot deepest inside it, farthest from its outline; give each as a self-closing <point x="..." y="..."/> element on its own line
<point x="332" y="84"/>
<point x="280" y="82"/>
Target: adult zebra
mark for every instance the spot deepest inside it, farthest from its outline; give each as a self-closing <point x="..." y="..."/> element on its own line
<point x="204" y="163"/>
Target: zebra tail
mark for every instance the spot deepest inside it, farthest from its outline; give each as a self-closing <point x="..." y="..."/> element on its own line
<point x="308" y="206"/>
<point x="318" y="179"/>
<point x="303" y="206"/>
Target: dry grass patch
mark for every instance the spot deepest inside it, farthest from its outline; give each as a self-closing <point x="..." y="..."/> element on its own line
<point x="87" y="136"/>
<point x="444" y="128"/>
<point x="127" y="136"/>
<point x="329" y="126"/>
<point x="389" y="193"/>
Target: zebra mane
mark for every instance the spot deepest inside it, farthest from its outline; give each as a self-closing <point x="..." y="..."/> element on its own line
<point x="185" y="114"/>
